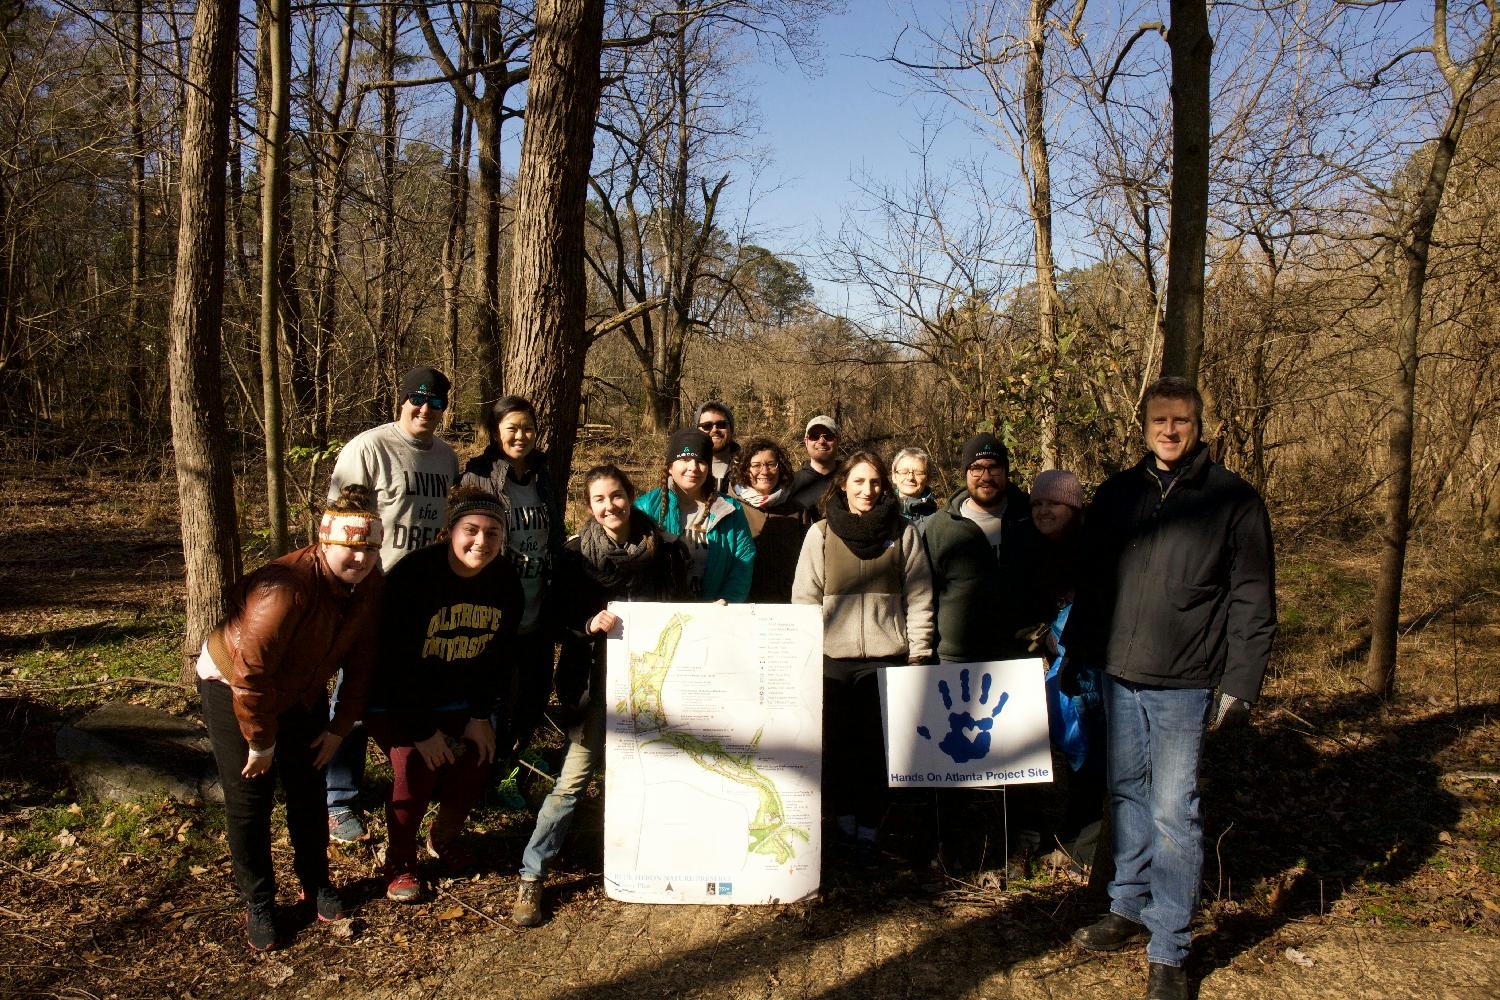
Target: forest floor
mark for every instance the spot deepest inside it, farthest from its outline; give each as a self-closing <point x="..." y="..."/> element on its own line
<point x="1354" y="845"/>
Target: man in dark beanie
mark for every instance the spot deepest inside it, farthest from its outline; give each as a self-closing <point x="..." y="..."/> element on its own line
<point x="409" y="472"/>
<point x="971" y="547"/>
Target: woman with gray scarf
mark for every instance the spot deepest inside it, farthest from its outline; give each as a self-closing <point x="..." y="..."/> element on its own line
<point x="620" y="555"/>
<point x="761" y="481"/>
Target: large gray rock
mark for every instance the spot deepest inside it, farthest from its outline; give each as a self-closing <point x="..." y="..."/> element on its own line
<point x="130" y="753"/>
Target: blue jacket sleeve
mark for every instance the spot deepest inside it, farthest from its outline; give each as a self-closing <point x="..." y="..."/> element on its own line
<point x="741" y="555"/>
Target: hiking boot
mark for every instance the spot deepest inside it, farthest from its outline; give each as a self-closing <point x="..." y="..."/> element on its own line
<point x="326" y="904"/>
<point x="260" y="926"/>
<point x="527" y="910"/>
<point x="1166" y="982"/>
<point x="345" y="827"/>
<point x="1110" y="934"/>
<point x="404" y="888"/>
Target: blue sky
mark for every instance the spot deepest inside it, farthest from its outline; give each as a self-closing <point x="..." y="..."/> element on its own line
<point x="857" y="117"/>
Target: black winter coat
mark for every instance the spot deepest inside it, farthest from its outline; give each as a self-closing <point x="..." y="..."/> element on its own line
<point x="1178" y="587"/>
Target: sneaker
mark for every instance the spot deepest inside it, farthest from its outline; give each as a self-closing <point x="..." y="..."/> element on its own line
<point x="452" y="853"/>
<point x="527" y="910"/>
<point x="1110" y="934"/>
<point x="260" y="926"/>
<point x="404" y="888"/>
<point x="326" y="903"/>
<point x="345" y="827"/>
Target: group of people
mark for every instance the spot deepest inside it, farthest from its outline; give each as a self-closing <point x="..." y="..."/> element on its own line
<point x="1154" y="613"/>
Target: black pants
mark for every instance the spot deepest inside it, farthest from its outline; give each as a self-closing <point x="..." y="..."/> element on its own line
<point x="248" y="801"/>
<point x="854" y="743"/>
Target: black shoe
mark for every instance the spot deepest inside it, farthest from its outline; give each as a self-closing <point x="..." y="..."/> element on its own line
<point x="325" y="903"/>
<point x="1110" y="934"/>
<point x="260" y="926"/>
<point x="1167" y="982"/>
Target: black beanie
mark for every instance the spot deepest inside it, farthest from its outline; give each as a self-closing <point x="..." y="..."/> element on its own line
<point x="984" y="445"/>
<point x="689" y="441"/>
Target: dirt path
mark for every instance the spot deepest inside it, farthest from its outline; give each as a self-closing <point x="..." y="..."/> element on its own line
<point x="911" y="951"/>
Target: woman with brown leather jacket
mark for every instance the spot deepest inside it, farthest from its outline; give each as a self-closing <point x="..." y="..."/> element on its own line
<point x="263" y="676"/>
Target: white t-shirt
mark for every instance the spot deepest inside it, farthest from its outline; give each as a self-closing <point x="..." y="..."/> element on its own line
<point x="990" y="524"/>
<point x="408" y="480"/>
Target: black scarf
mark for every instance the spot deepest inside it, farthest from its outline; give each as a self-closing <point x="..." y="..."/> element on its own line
<point x="867" y="535"/>
<point x="619" y="568"/>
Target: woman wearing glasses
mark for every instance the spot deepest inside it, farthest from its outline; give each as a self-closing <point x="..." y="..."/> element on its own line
<point x="909" y="471"/>
<point x="761" y="481"/>
<point x="514" y="469"/>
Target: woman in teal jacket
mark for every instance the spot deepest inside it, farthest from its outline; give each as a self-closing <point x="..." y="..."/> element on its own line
<point x="711" y="525"/>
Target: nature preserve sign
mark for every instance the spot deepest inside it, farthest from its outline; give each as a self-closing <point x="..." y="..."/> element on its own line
<point x="966" y="724"/>
<point x="713" y="757"/>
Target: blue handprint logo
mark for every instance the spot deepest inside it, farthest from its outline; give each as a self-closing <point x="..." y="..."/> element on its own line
<point x="957" y="743"/>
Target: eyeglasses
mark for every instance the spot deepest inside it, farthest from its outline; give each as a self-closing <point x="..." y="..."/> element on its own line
<point x="714" y="425"/>
<point x="764" y="466"/>
<point x="421" y="399"/>
<point x="822" y="436"/>
<point x="987" y="471"/>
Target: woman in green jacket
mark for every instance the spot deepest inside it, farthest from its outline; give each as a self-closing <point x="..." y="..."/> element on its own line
<point x="711" y="525"/>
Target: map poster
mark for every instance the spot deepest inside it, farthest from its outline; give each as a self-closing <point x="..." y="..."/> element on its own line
<point x="713" y="755"/>
<point x="973" y="725"/>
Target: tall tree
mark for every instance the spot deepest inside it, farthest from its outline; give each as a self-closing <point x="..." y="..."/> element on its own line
<point x="1192" y="53"/>
<point x="548" y="292"/>
<point x="200" y="441"/>
<point x="1463" y="74"/>
<point x="496" y="52"/>
<point x="276" y="37"/>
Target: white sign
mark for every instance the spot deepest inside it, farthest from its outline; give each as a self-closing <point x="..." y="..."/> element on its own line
<point x="713" y="758"/>
<point x="972" y="725"/>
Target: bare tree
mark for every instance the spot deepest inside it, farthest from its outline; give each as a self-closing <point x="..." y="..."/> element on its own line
<point x="548" y="294"/>
<point x="493" y="54"/>
<point x="973" y="63"/>
<point x="1410" y="236"/>
<point x="205" y="486"/>
<point x="276" y="38"/>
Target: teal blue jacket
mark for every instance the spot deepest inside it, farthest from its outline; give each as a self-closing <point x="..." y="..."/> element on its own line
<point x="731" y="549"/>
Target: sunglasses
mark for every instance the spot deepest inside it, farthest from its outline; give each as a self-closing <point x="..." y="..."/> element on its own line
<point x="714" y="425"/>
<point x="421" y="399"/>
<point x="822" y="436"/>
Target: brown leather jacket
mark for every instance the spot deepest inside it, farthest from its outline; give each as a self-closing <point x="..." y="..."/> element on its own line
<point x="291" y="626"/>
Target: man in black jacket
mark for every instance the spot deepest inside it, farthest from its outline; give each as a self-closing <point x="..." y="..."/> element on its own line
<point x="1176" y="599"/>
<point x="972" y="547"/>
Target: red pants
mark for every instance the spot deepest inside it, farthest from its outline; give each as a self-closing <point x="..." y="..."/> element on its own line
<point x="457" y="786"/>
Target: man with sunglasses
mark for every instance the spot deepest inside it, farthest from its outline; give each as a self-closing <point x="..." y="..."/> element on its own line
<point x="821" y="440"/>
<point x="409" y="471"/>
<point x="716" y="420"/>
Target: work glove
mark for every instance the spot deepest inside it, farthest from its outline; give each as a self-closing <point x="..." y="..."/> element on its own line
<point x="1230" y="713"/>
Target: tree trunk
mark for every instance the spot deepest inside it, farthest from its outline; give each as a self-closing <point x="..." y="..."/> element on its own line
<point x="277" y="37"/>
<point x="205" y="483"/>
<point x="458" y="210"/>
<point x="548" y="340"/>
<point x="1414" y="239"/>
<point x="1034" y="103"/>
<point x="135" y="369"/>
<point x="1187" y="238"/>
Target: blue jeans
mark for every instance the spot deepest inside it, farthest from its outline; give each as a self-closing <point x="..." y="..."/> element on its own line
<point x="346" y="768"/>
<point x="585" y="751"/>
<point x="1155" y="738"/>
